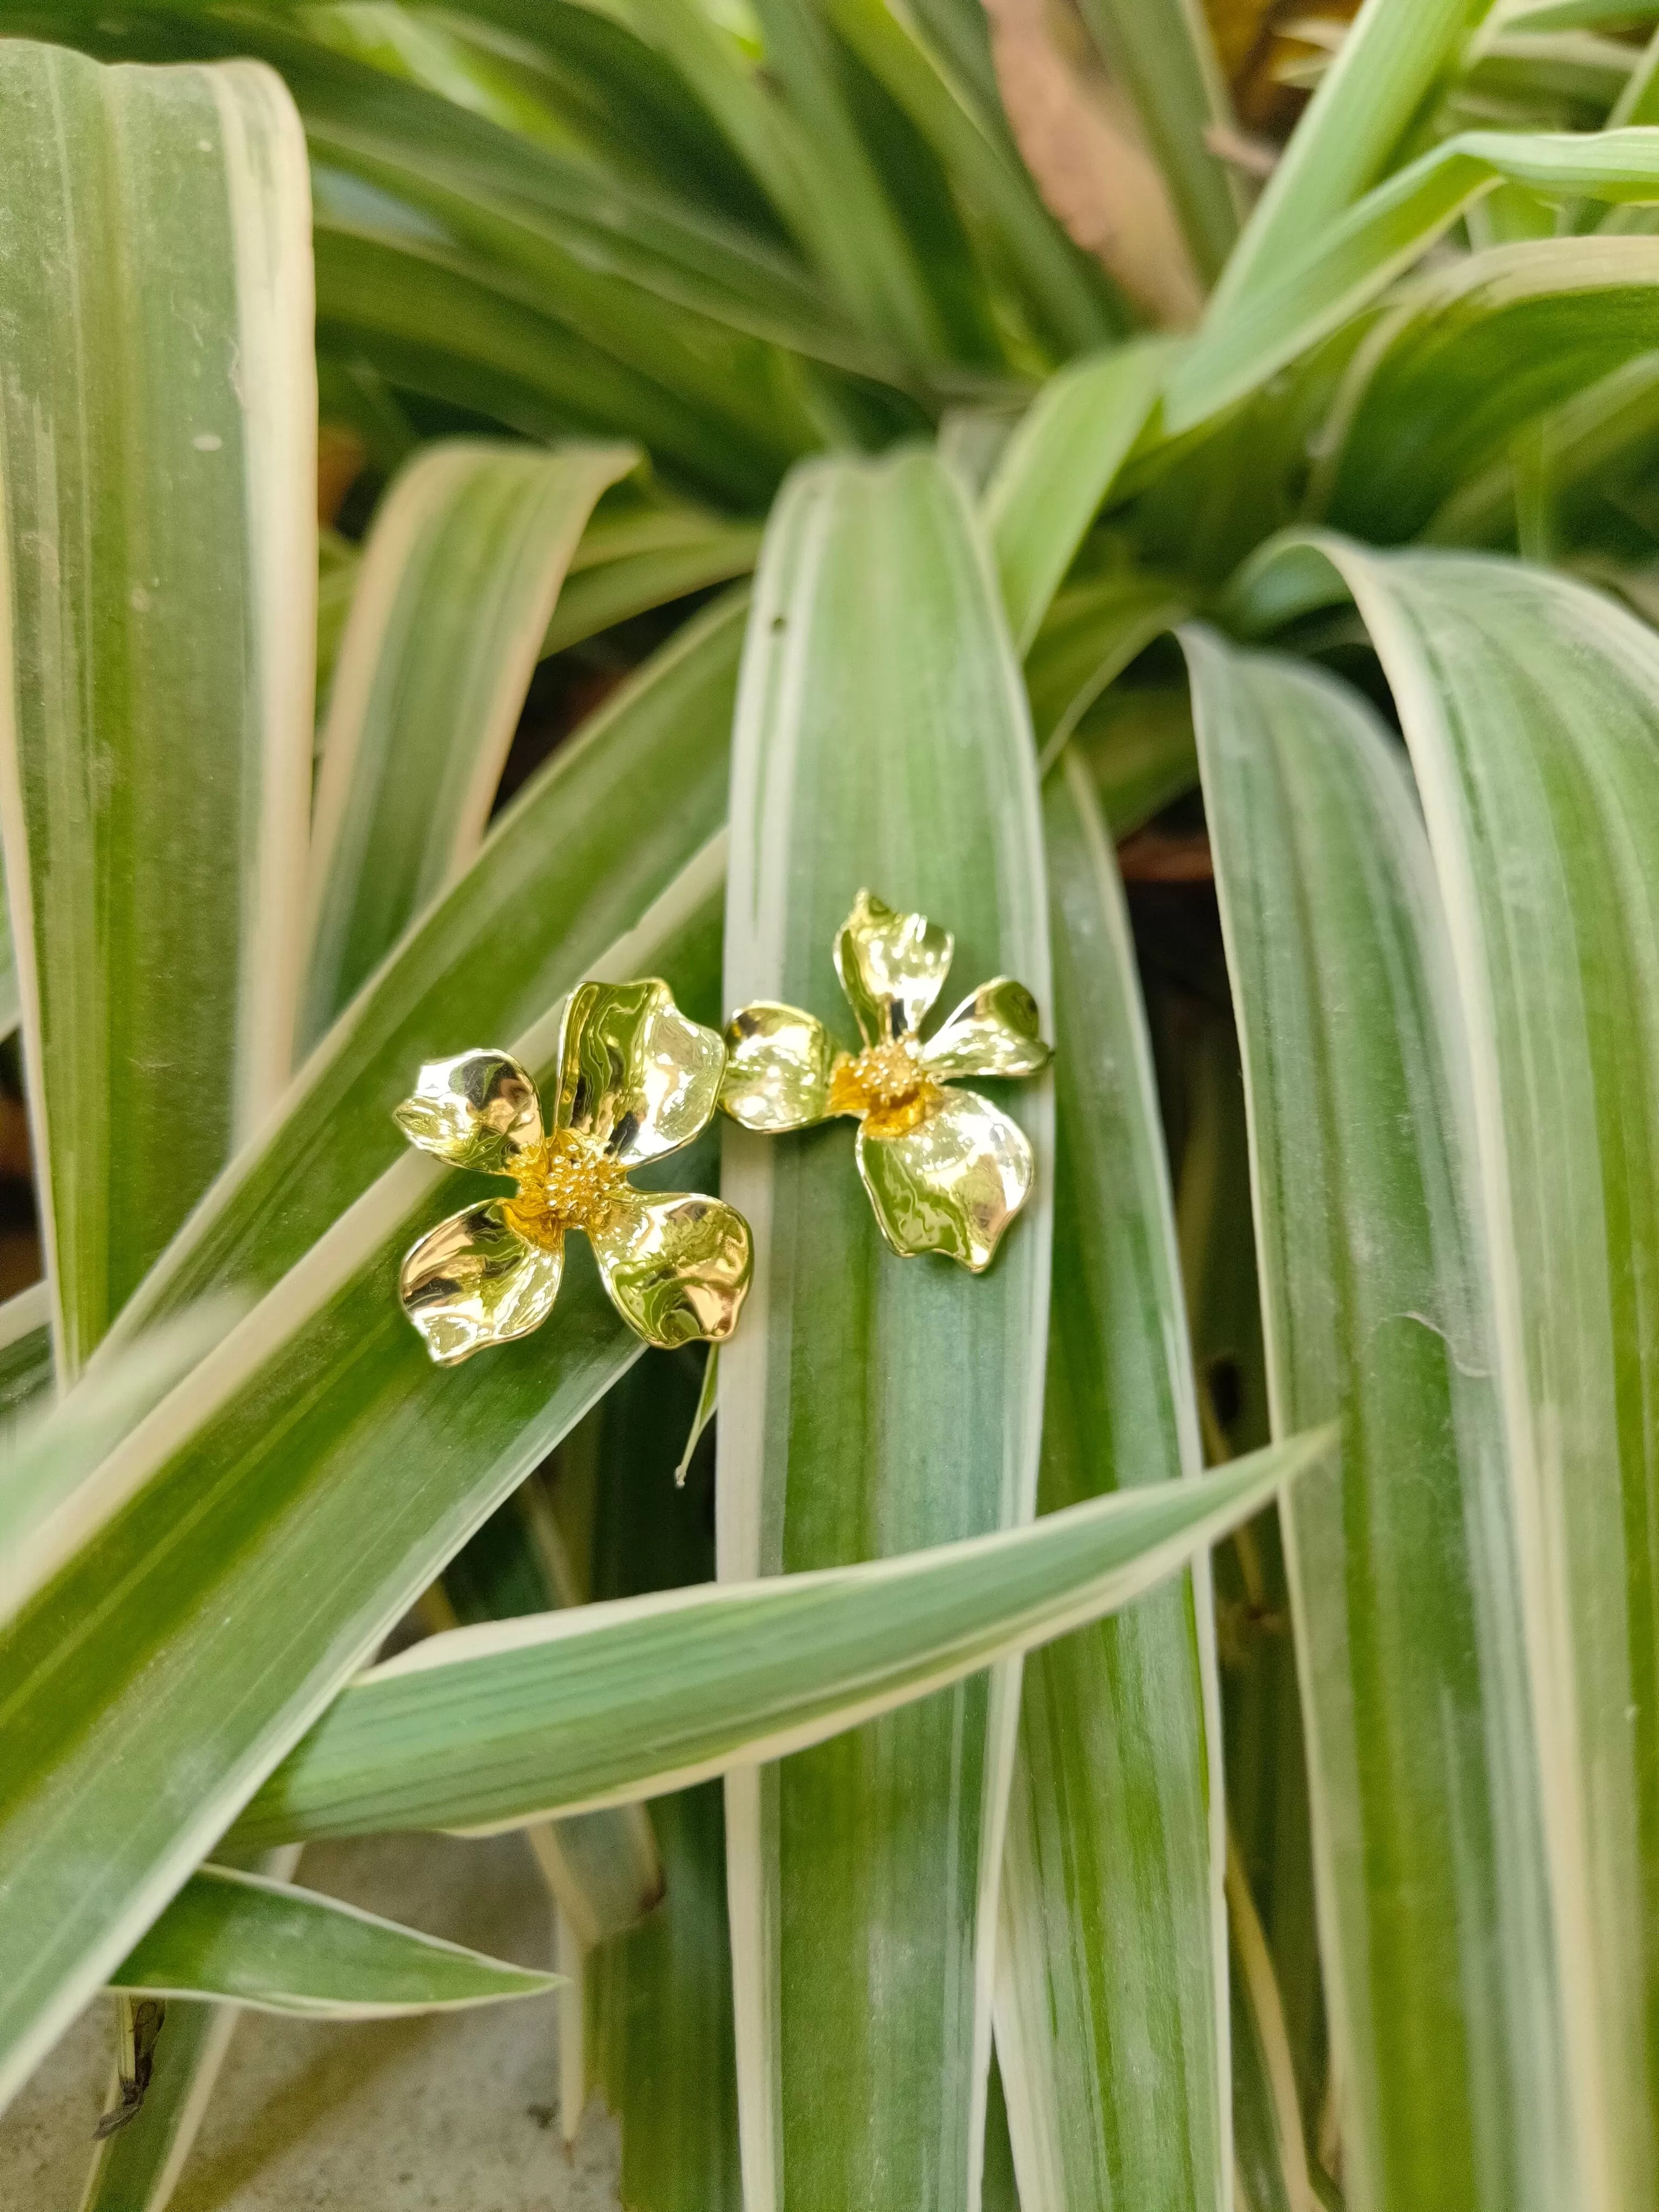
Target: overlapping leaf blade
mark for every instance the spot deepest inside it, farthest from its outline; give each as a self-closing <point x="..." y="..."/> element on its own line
<point x="1434" y="1887"/>
<point x="457" y="585"/>
<point x="1363" y="107"/>
<point x="1313" y="293"/>
<point x="244" y="1940"/>
<point x="1447" y="380"/>
<point x="1538" y="792"/>
<point x="257" y="1538"/>
<point x="493" y="1727"/>
<point x="870" y="1404"/>
<point x="1111" y="1983"/>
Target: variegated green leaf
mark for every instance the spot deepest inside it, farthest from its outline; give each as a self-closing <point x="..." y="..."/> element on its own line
<point x="456" y="585"/>
<point x="1312" y="293"/>
<point x="873" y="1404"/>
<point x="157" y="420"/>
<point x="1111" y="2022"/>
<point x="244" y="1940"/>
<point x="493" y="1727"/>
<point x="1448" y="378"/>
<point x="25" y="1353"/>
<point x="1434" y="1887"/>
<point x="1539" y="794"/>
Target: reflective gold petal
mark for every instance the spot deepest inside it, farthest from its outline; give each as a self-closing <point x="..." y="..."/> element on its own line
<point x="477" y="1110"/>
<point x="951" y="1185"/>
<point x="778" y="1066"/>
<point x="634" y="1073"/>
<point x="677" y="1268"/>
<point x="473" y="1281"/>
<point x="994" y="1032"/>
<point x="891" y="966"/>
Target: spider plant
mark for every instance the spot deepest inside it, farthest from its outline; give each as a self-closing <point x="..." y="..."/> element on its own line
<point x="1172" y="1721"/>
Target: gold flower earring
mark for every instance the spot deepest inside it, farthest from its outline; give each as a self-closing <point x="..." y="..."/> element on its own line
<point x="945" y="1169"/>
<point x="636" y="1081"/>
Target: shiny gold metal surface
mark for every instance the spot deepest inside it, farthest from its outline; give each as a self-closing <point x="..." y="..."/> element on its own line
<point x="677" y="1268"/>
<point x="952" y="1182"/>
<point x="778" y="1063"/>
<point x="945" y="1169"/>
<point x="474" y="1280"/>
<point x="636" y="1081"/>
<point x="478" y="1111"/>
<point x="891" y="966"/>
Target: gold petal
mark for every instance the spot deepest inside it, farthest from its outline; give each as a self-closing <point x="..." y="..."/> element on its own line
<point x="778" y="1062"/>
<point x="951" y="1185"/>
<point x="473" y="1281"/>
<point x="891" y="966"/>
<point x="477" y="1110"/>
<point x="994" y="1032"/>
<point x="677" y="1268"/>
<point x="634" y="1073"/>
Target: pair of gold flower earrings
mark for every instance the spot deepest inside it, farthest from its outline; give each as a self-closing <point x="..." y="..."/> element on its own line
<point x="946" y="1170"/>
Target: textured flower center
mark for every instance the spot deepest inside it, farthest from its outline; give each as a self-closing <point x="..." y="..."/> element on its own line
<point x="567" y="1181"/>
<point x="886" y="1083"/>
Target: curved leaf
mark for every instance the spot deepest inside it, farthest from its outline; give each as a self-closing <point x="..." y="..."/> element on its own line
<point x="1444" y="381"/>
<point x="1529" y="703"/>
<point x="1433" y="1885"/>
<point x="493" y="1727"/>
<point x="1245" y="340"/>
<point x="1390" y="58"/>
<point x="253" y="1542"/>
<point x="247" y="1940"/>
<point x="453" y="598"/>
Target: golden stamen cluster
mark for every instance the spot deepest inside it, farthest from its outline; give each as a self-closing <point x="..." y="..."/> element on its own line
<point x="886" y="1083"/>
<point x="565" y="1183"/>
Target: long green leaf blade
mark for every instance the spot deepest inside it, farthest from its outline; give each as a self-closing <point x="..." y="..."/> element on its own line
<point x="156" y="610"/>
<point x="1111" y="1976"/>
<point x="247" y="1941"/>
<point x="1312" y="293"/>
<point x="1059" y="466"/>
<point x="632" y="579"/>
<point x="872" y="1404"/>
<point x="457" y="586"/>
<point x="1447" y="380"/>
<point x="494" y="1727"/>
<point x="1527" y="702"/>
<point x="1390" y="60"/>
<point x="1163" y="54"/>
<point x="1434" y="1887"/>
<point x="663" y="2050"/>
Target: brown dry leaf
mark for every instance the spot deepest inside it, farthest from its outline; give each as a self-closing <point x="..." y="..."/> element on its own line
<point x="340" y="453"/>
<point x="1079" y="140"/>
<point x="1254" y="40"/>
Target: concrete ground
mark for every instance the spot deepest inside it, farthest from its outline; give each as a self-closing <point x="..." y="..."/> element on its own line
<point x="440" y="2114"/>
